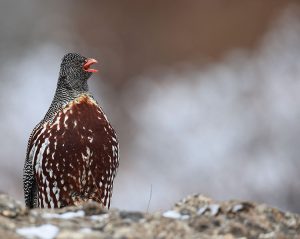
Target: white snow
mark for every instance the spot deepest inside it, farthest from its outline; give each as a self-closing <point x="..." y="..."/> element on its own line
<point x="85" y="230"/>
<point x="46" y="231"/>
<point x="175" y="215"/>
<point x="66" y="215"/>
<point x="99" y="217"/>
<point x="202" y="210"/>
<point x="237" y="208"/>
<point x="213" y="208"/>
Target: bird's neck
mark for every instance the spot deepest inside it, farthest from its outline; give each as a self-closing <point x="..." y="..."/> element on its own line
<point x="63" y="96"/>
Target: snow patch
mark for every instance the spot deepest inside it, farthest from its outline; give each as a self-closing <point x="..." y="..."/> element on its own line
<point x="237" y="208"/>
<point x="99" y="217"/>
<point x="213" y="208"/>
<point x="46" y="231"/>
<point x="66" y="215"/>
<point x="85" y="230"/>
<point x="175" y="215"/>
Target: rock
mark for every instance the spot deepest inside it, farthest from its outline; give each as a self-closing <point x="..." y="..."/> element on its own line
<point x="194" y="217"/>
<point x="10" y="207"/>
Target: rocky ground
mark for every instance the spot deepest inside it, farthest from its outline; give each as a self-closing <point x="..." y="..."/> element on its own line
<point x="194" y="217"/>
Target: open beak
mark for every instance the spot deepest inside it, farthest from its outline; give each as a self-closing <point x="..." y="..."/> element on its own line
<point x="87" y="65"/>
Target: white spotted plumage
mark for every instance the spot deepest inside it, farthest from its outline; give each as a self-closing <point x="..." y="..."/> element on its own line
<point x="70" y="157"/>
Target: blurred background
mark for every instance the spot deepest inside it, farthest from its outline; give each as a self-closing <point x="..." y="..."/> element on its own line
<point x="204" y="95"/>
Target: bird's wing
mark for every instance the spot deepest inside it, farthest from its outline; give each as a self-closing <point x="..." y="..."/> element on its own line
<point x="29" y="183"/>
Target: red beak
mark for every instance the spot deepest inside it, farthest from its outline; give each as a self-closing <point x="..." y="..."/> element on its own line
<point x="87" y="65"/>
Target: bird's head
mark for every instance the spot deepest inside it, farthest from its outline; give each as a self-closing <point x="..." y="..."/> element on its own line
<point x="76" y="69"/>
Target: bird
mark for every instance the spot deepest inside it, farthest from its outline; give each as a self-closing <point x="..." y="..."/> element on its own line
<point x="72" y="154"/>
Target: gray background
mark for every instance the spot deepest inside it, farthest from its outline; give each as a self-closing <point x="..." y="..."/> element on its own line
<point x="204" y="95"/>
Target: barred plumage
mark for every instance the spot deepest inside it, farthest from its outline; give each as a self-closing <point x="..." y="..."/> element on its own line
<point x="73" y="153"/>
